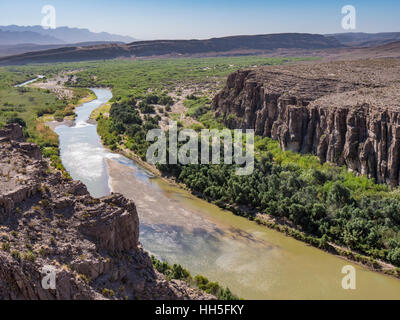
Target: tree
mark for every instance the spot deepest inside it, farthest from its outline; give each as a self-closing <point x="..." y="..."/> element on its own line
<point x="339" y="195"/>
<point x="394" y="256"/>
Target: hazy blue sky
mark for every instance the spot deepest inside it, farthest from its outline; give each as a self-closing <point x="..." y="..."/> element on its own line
<point x="182" y="19"/>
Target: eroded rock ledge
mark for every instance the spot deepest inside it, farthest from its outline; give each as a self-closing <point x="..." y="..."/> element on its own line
<point x="92" y="243"/>
<point x="343" y="112"/>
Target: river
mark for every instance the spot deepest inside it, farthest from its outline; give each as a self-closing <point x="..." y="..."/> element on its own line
<point x="253" y="261"/>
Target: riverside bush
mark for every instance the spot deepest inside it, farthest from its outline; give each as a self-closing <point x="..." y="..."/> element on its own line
<point x="179" y="273"/>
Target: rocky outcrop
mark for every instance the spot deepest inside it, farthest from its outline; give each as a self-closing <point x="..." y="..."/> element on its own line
<point x="117" y="230"/>
<point x="11" y="132"/>
<point x="91" y="244"/>
<point x="344" y="112"/>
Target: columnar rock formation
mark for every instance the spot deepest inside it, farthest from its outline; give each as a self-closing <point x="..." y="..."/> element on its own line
<point x="344" y="112"/>
<point x="93" y="244"/>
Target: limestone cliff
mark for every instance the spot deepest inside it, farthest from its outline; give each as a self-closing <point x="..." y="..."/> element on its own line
<point x="93" y="244"/>
<point x="344" y="112"/>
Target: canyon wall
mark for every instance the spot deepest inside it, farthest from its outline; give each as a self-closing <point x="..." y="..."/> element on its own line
<point x="343" y="112"/>
<point x="92" y="244"/>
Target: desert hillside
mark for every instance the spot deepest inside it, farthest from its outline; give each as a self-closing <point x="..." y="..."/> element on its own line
<point x="236" y="45"/>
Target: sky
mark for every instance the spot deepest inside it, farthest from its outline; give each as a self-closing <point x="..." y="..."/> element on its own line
<point x="184" y="19"/>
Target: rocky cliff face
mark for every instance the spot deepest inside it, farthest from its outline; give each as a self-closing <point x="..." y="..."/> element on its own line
<point x="93" y="244"/>
<point x="344" y="112"/>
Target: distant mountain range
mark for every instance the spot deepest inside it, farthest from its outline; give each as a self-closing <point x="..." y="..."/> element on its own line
<point x="235" y="45"/>
<point x="360" y="39"/>
<point x="19" y="37"/>
<point x="15" y="35"/>
<point x="16" y="49"/>
<point x="268" y="44"/>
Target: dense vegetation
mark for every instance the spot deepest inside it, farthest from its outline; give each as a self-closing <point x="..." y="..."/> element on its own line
<point x="177" y="272"/>
<point x="325" y="202"/>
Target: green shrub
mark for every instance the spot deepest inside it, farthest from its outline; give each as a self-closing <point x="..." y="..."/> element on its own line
<point x="179" y="273"/>
<point x="16" y="255"/>
<point x="29" y="256"/>
<point x="5" y="246"/>
<point x="108" y="293"/>
<point x="59" y="116"/>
